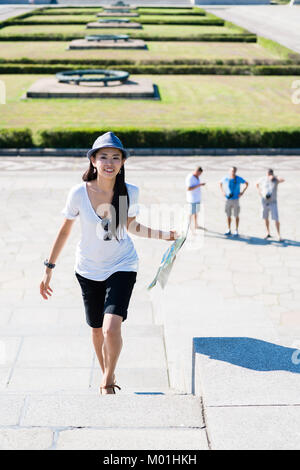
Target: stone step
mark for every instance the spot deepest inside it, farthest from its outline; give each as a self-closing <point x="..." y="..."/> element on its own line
<point x="109" y="411"/>
<point x="84" y="379"/>
<point x="70" y="351"/>
<point x="133" y="380"/>
<point x="90" y="421"/>
<point x="130" y="329"/>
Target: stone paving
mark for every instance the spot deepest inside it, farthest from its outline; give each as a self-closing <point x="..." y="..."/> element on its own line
<point x="106" y="44"/>
<point x="51" y="88"/>
<point x="277" y="22"/>
<point x="10" y="11"/>
<point x="48" y="372"/>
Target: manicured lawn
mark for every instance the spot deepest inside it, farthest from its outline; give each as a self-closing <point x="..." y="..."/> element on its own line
<point x="171" y="11"/>
<point x="74" y="11"/>
<point x="148" y="30"/>
<point x="60" y="18"/>
<point x="49" y="50"/>
<point x="186" y="101"/>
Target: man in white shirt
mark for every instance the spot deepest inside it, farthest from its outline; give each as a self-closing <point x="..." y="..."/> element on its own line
<point x="193" y="194"/>
<point x="267" y="189"/>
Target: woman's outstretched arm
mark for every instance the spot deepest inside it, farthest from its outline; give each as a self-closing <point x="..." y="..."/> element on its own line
<point x="140" y="230"/>
<point x="57" y="246"/>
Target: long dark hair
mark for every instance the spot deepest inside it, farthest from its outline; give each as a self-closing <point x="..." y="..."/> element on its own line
<point x="120" y="214"/>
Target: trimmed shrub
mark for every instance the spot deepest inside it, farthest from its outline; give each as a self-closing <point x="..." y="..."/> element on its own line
<point x="175" y="138"/>
<point x="156" y="69"/>
<point x="16" y="138"/>
<point x="134" y="35"/>
<point x="151" y="21"/>
<point x="156" y="62"/>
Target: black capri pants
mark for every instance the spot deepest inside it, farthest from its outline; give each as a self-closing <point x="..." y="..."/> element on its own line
<point x="109" y="296"/>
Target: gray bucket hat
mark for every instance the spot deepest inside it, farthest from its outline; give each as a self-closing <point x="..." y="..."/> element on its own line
<point x="109" y="139"/>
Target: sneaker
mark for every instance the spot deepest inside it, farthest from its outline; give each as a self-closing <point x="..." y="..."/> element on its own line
<point x="267" y="236"/>
<point x="236" y="233"/>
<point x="228" y="233"/>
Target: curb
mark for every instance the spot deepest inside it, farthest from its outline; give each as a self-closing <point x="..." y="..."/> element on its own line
<point x="151" y="152"/>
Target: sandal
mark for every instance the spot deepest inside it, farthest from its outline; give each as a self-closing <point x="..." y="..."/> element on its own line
<point x="113" y="386"/>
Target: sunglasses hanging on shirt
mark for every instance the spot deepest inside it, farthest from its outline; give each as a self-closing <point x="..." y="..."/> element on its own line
<point x="105" y="223"/>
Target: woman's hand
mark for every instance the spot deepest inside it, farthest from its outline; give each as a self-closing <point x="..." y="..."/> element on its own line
<point x="172" y="235"/>
<point x="45" y="288"/>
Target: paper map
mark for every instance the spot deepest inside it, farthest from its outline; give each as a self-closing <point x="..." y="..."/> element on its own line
<point x="167" y="261"/>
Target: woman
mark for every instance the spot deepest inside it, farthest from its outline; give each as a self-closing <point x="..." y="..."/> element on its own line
<point x="106" y="260"/>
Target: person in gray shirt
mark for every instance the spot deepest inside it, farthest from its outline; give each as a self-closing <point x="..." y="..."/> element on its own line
<point x="267" y="188"/>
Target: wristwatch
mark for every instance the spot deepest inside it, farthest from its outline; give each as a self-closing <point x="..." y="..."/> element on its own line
<point x="49" y="265"/>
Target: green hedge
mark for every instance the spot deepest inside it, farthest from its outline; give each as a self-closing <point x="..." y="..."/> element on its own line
<point x="136" y="35"/>
<point x="16" y="138"/>
<point x="155" y="138"/>
<point x="176" y="138"/>
<point x="151" y="62"/>
<point x="196" y="21"/>
<point x="158" y="70"/>
<point x="140" y="11"/>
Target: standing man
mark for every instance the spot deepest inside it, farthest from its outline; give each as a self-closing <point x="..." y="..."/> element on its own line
<point x="193" y="194"/>
<point x="267" y="188"/>
<point x="231" y="189"/>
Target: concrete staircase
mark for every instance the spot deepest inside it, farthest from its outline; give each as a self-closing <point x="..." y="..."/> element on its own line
<point x="50" y="396"/>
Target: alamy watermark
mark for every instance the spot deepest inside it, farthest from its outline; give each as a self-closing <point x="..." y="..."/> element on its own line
<point x="154" y="221"/>
<point x="2" y="353"/>
<point x="296" y="93"/>
<point x="2" y="92"/>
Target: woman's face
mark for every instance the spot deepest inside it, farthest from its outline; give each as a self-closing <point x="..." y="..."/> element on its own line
<point x="108" y="162"/>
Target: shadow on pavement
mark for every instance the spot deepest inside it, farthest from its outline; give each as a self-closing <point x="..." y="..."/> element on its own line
<point x="252" y="240"/>
<point x="250" y="353"/>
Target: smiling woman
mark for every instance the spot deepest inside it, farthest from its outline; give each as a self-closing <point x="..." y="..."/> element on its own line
<point x="107" y="165"/>
<point x="106" y="260"/>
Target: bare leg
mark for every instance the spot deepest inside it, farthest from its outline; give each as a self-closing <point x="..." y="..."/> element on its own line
<point x="229" y="222"/>
<point x="98" y="339"/>
<point x="190" y="221"/>
<point x="278" y="228"/>
<point x="237" y="221"/>
<point x="112" y="346"/>
<point x="267" y="226"/>
<point x="195" y="220"/>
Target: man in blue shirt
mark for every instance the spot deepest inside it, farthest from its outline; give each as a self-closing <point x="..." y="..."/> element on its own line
<point x="231" y="189"/>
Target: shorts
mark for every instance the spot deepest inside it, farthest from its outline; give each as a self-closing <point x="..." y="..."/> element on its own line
<point x="194" y="207"/>
<point x="109" y="296"/>
<point x="232" y="205"/>
<point x="270" y="207"/>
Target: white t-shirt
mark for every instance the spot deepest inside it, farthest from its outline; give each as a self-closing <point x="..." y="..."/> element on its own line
<point x="194" y="195"/>
<point x="267" y="186"/>
<point x="96" y="258"/>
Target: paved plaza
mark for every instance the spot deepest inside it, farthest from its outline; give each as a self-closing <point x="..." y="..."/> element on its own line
<point x="277" y="22"/>
<point x="234" y="302"/>
<point x="10" y="11"/>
